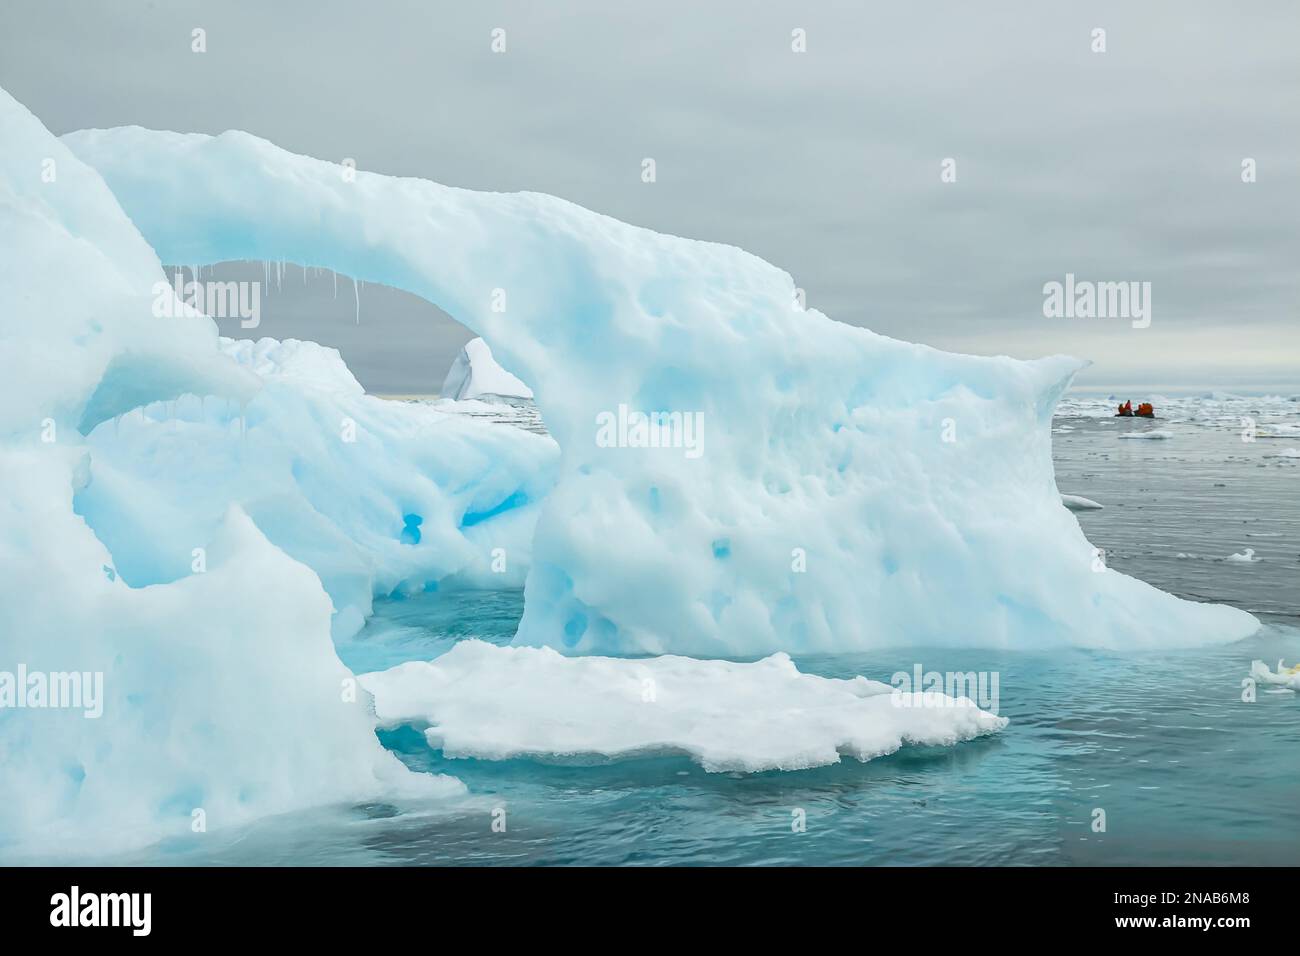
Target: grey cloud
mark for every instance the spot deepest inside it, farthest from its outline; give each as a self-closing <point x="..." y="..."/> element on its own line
<point x="1123" y="165"/>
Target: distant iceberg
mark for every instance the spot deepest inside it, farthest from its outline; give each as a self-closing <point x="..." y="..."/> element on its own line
<point x="475" y="374"/>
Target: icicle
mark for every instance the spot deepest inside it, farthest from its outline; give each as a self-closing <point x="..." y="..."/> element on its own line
<point x="336" y="285"/>
<point x="356" y="292"/>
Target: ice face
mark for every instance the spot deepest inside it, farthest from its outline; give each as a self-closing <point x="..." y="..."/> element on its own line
<point x="804" y="485"/>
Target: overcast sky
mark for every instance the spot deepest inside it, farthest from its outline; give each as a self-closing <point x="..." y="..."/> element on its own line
<point x="1122" y="165"/>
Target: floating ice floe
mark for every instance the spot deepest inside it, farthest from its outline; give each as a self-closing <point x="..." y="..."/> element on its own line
<point x="495" y="703"/>
<point x="1283" y="677"/>
<point x="1079" y="503"/>
<point x="1157" y="435"/>
<point x="1244" y="557"/>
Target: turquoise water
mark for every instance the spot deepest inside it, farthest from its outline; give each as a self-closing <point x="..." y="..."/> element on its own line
<point x="1184" y="770"/>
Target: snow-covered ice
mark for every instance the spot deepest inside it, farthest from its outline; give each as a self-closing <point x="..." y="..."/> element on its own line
<point x="494" y="703"/>
<point x="1243" y="557"/>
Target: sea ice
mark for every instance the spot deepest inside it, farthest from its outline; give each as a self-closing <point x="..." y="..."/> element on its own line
<point x="1282" y="677"/>
<point x="1079" y="503"/>
<point x="1157" y="435"/>
<point x="495" y="703"/>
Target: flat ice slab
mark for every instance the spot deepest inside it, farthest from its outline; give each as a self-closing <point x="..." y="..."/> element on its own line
<point x="1157" y="435"/>
<point x="495" y="703"/>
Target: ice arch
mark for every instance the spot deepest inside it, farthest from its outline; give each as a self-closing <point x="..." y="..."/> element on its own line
<point x="850" y="491"/>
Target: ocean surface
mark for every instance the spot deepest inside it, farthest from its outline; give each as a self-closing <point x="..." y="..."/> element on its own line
<point x="1163" y="745"/>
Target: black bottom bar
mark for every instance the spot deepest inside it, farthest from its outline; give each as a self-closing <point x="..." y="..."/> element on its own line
<point x="371" y="905"/>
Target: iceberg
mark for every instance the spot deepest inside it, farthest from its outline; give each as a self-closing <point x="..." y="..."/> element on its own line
<point x="475" y="374"/>
<point x="852" y="491"/>
<point x="187" y="519"/>
<point x="495" y="703"/>
<point x="223" y="699"/>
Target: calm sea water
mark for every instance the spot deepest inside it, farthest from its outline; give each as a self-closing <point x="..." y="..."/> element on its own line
<point x="1185" y="772"/>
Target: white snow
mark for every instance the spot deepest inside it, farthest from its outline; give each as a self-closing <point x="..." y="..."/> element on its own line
<point x="828" y="510"/>
<point x="1157" y="435"/>
<point x="1079" y="503"/>
<point x="475" y="374"/>
<point x="495" y="703"/>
